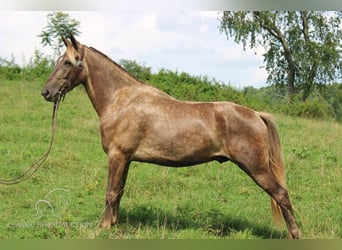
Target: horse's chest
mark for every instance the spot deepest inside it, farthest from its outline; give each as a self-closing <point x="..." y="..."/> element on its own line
<point x="122" y="134"/>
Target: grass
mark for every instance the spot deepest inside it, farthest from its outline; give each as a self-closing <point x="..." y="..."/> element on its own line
<point x="65" y="198"/>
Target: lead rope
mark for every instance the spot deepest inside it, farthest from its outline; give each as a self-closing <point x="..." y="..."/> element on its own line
<point x="34" y="167"/>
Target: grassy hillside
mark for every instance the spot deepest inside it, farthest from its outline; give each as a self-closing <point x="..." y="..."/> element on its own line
<point x="65" y="198"/>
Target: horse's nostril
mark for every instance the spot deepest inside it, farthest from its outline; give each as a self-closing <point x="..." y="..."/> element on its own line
<point x="45" y="92"/>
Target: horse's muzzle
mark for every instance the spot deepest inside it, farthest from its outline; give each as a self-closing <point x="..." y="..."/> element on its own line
<point x="45" y="93"/>
<point x="48" y="95"/>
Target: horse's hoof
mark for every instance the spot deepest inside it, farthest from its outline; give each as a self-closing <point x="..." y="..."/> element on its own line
<point x="105" y="225"/>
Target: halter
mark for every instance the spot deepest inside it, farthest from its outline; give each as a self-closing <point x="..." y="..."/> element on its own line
<point x="72" y="77"/>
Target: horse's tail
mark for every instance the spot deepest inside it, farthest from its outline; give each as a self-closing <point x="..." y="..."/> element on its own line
<point x="276" y="164"/>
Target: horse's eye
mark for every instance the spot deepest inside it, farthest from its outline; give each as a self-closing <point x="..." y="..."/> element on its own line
<point x="67" y="63"/>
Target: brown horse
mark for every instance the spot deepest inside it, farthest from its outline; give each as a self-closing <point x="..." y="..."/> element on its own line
<point x="141" y="123"/>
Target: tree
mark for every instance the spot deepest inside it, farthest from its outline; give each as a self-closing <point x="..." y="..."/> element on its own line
<point x="59" y="24"/>
<point x="302" y="48"/>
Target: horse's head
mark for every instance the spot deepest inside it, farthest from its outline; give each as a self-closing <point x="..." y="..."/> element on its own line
<point x="68" y="73"/>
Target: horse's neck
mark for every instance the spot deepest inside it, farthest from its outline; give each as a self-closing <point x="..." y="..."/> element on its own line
<point x="105" y="78"/>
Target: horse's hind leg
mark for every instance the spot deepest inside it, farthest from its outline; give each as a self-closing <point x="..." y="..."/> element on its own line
<point x="268" y="182"/>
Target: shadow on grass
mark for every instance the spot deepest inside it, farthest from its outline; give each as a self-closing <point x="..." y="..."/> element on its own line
<point x="211" y="221"/>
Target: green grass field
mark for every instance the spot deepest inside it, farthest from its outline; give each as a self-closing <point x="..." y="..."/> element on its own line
<point x="65" y="198"/>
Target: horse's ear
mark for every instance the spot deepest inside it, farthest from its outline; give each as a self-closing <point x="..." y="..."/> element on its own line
<point x="66" y="42"/>
<point x="75" y="43"/>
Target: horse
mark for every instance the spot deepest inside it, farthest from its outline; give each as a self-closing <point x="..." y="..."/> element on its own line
<point x="141" y="123"/>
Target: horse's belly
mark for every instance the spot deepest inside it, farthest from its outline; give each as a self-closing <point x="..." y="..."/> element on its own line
<point x="181" y="151"/>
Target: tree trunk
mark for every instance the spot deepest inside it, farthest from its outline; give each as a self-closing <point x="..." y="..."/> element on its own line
<point x="290" y="81"/>
<point x="309" y="84"/>
<point x="291" y="67"/>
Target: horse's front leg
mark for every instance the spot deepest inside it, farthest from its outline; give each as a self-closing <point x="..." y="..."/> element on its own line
<point x="117" y="173"/>
<point x="116" y="205"/>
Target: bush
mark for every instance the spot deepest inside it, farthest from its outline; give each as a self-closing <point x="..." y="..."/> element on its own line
<point x="332" y="93"/>
<point x="314" y="107"/>
<point x="323" y="104"/>
<point x="9" y="70"/>
<point x="39" y="67"/>
<point x="141" y="72"/>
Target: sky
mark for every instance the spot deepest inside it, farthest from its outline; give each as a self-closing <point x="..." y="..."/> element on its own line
<point x="188" y="41"/>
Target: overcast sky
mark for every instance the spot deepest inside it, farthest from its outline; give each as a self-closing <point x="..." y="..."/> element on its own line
<point x="187" y="41"/>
